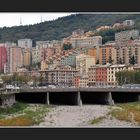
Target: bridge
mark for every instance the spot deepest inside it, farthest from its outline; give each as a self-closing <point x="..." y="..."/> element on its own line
<point x="72" y="96"/>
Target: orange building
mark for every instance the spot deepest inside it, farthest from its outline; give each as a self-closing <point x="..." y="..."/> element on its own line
<point x="93" y="52"/>
<point x="105" y="54"/>
<point x="26" y="57"/>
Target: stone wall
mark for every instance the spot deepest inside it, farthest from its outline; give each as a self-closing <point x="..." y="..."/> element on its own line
<point x="7" y="100"/>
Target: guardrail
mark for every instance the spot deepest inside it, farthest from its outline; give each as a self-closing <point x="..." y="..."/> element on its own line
<point x="88" y="89"/>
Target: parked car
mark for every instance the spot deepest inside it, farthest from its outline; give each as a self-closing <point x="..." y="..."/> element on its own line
<point x="9" y="87"/>
<point x="51" y="86"/>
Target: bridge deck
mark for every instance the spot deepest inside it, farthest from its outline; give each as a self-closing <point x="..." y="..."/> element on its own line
<point x="124" y="90"/>
<point x="69" y="90"/>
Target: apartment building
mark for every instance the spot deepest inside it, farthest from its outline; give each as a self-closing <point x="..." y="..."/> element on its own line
<point x="44" y="65"/>
<point x="107" y="54"/>
<point x="83" y="62"/>
<point x="97" y="75"/>
<point x="128" y="23"/>
<point x="3" y="57"/>
<point x="60" y="76"/>
<point x="49" y="44"/>
<point x="36" y="56"/>
<point x="78" y="32"/>
<point x="86" y="41"/>
<point x="25" y="43"/>
<point x="93" y="52"/>
<point x="126" y="35"/>
<point x="26" y="56"/>
<point x="8" y="45"/>
<point x="105" y="74"/>
<point x="69" y="58"/>
<point x="124" y="53"/>
<point x="16" y="58"/>
<point x="111" y="71"/>
<point x="83" y="81"/>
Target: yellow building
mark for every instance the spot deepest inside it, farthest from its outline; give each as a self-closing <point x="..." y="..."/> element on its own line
<point x="26" y="57"/>
<point x="44" y="65"/>
<point x="83" y="62"/>
<point x="93" y="52"/>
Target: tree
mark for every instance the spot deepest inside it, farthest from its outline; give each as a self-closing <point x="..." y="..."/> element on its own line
<point x="132" y="60"/>
<point x="67" y="46"/>
<point x="128" y="77"/>
<point x="120" y="61"/>
<point x="97" y="62"/>
<point x="131" y="38"/>
<point x="110" y="60"/>
<point x="7" y="79"/>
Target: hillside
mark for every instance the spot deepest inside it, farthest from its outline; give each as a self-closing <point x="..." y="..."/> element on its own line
<point x="63" y="27"/>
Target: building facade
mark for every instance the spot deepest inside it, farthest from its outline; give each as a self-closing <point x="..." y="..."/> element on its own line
<point x="97" y="75"/>
<point x="16" y="58"/>
<point x="111" y="73"/>
<point x="86" y="41"/>
<point x="3" y="58"/>
<point x="128" y="23"/>
<point x="126" y="35"/>
<point x="61" y="76"/>
<point x="104" y="75"/>
<point x="26" y="56"/>
<point x="107" y="54"/>
<point x="83" y="62"/>
<point x="124" y="53"/>
<point x="25" y="43"/>
<point x="69" y="59"/>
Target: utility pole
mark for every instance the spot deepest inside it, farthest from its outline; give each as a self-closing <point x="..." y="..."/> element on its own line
<point x="41" y="18"/>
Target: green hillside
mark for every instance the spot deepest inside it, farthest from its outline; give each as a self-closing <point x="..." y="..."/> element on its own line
<point x="63" y="27"/>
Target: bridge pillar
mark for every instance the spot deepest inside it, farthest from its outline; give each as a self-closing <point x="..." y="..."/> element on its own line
<point x="47" y="99"/>
<point x="138" y="97"/>
<point x="79" y="101"/>
<point x="110" y="101"/>
<point x="7" y="100"/>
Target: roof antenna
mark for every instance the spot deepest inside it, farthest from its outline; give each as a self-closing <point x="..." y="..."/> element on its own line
<point x="20" y="21"/>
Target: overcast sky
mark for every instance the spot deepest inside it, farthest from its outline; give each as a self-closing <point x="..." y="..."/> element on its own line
<point x="15" y="19"/>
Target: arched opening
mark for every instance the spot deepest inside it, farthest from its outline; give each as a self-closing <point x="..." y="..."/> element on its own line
<point x="0" y="102"/>
<point x="94" y="98"/>
<point x="63" y="98"/>
<point x="124" y="97"/>
<point x="31" y="98"/>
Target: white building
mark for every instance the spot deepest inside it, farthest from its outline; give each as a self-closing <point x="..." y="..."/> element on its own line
<point x="25" y="43"/>
<point x="126" y="35"/>
<point x="128" y="23"/>
<point x="86" y="41"/>
<point x="111" y="71"/>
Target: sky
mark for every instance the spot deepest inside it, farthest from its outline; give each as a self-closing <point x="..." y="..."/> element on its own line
<point x="16" y="19"/>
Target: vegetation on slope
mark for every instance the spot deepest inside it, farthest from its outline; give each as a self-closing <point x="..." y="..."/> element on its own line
<point x="63" y="27"/>
<point x="22" y="114"/>
<point x="130" y="112"/>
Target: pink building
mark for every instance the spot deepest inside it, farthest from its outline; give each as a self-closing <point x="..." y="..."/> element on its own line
<point x="16" y="58"/>
<point x="3" y="57"/>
